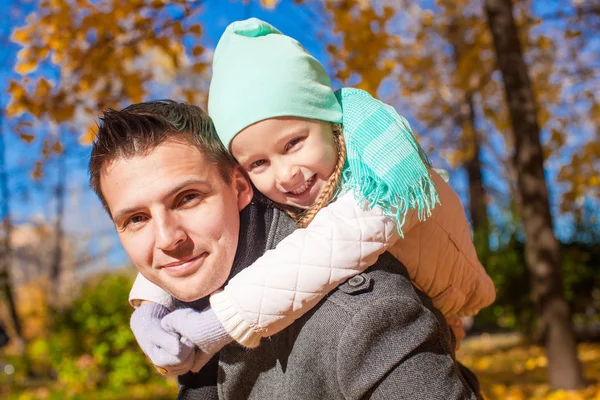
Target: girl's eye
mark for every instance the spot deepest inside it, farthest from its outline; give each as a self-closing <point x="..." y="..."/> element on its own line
<point x="257" y="164"/>
<point x="293" y="142"/>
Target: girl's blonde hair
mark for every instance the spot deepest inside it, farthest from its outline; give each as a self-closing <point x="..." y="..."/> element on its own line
<point x="305" y="217"/>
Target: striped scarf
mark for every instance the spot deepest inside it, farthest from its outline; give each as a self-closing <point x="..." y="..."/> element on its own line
<point x="385" y="166"/>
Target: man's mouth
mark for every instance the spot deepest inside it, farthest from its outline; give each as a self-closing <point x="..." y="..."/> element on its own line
<point x="187" y="267"/>
<point x="307" y="184"/>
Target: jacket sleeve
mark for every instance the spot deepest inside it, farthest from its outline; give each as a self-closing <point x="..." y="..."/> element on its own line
<point x="395" y="348"/>
<point x="343" y="240"/>
<point x="459" y="284"/>
<point x="144" y="290"/>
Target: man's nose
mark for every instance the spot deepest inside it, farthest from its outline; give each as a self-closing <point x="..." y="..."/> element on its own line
<point x="169" y="233"/>
<point x="288" y="176"/>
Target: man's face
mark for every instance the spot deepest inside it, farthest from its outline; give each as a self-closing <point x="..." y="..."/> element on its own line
<point x="176" y="217"/>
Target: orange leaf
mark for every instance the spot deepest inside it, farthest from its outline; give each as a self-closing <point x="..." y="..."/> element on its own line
<point x="38" y="171"/>
<point x="87" y="138"/>
<point x="270" y="4"/>
<point x="21" y="35"/>
<point x="57" y="147"/>
<point x="27" y="138"/>
<point x="195" y="29"/>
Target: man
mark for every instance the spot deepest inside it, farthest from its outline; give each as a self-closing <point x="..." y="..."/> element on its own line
<point x="185" y="214"/>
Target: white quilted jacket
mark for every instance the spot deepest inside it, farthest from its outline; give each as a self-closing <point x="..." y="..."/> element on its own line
<point x="342" y="241"/>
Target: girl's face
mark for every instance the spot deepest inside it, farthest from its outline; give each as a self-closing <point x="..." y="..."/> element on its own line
<point x="288" y="159"/>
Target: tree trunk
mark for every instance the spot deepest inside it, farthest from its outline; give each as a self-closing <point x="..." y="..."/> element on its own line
<point x="6" y="252"/>
<point x="472" y="141"/>
<point x="541" y="247"/>
<point x="55" y="295"/>
<point x="477" y="194"/>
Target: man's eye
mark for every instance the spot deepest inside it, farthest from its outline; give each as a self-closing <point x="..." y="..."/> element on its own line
<point x="189" y="197"/>
<point x="257" y="164"/>
<point x="293" y="142"/>
<point x="135" y="220"/>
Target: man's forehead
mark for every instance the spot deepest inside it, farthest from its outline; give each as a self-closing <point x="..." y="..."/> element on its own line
<point x="170" y="146"/>
<point x="169" y="153"/>
<point x="168" y="168"/>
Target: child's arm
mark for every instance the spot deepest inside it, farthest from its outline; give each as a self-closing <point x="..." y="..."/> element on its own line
<point x="343" y="240"/>
<point x="441" y="258"/>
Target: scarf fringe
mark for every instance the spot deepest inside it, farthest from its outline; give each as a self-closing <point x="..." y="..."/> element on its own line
<point x="371" y="191"/>
<point x="385" y="166"/>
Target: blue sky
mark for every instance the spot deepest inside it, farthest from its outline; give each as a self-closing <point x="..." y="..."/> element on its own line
<point x="85" y="218"/>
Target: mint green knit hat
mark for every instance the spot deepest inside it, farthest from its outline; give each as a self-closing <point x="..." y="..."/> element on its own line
<point x="260" y="73"/>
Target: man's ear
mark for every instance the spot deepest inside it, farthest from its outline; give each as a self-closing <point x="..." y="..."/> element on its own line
<point x="242" y="186"/>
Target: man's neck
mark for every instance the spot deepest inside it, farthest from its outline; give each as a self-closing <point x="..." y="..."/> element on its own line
<point x="252" y="240"/>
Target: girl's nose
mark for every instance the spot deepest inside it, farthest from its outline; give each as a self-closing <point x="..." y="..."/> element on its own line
<point x="288" y="176"/>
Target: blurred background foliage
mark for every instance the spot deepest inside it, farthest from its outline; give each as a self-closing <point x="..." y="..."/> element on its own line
<point x="86" y="347"/>
<point x="64" y="278"/>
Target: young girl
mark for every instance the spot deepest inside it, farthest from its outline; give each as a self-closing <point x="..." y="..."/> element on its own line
<point x="345" y="159"/>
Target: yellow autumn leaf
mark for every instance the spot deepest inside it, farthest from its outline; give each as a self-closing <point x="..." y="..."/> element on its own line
<point x="27" y="138"/>
<point x="19" y="97"/>
<point x="427" y="18"/>
<point x="22" y="35"/>
<point x="24" y="67"/>
<point x="558" y="137"/>
<point x="177" y="29"/>
<point x="516" y="370"/>
<point x="56" y="58"/>
<point x="196" y="29"/>
<point x="63" y="113"/>
<point x="270" y="4"/>
<point x="102" y="54"/>
<point x="38" y="171"/>
<point x="87" y="138"/>
<point x="15" y="108"/>
<point x="57" y="148"/>
<point x="43" y="88"/>
<point x="16" y="90"/>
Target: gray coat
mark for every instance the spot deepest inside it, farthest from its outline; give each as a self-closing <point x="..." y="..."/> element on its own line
<point x="376" y="336"/>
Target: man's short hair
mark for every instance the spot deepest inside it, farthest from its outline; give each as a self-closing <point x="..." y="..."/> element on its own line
<point x="140" y="128"/>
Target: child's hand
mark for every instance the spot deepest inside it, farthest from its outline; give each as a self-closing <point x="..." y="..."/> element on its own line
<point x="457" y="326"/>
<point x="170" y="353"/>
<point x="201" y="328"/>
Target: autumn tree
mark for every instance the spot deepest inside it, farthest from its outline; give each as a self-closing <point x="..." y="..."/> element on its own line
<point x="6" y="285"/>
<point x="454" y="79"/>
<point x="79" y="57"/>
<point x="57" y="254"/>
<point x="578" y="25"/>
<point x="7" y="289"/>
<point x="466" y="83"/>
<point x="541" y="246"/>
<point x="362" y="56"/>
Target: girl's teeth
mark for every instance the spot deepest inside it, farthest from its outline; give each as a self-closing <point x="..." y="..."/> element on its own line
<point x="301" y="189"/>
